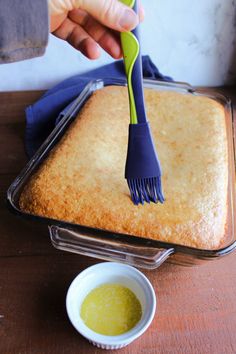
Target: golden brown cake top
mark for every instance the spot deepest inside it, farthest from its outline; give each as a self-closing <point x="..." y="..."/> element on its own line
<point x="82" y="181"/>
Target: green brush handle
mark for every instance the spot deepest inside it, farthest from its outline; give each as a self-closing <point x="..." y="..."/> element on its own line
<point x="130" y="47"/>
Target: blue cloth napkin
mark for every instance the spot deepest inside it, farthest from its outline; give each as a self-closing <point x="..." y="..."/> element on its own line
<point x="41" y="117"/>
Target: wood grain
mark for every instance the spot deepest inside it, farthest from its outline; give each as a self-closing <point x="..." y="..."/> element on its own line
<point x="196" y="309"/>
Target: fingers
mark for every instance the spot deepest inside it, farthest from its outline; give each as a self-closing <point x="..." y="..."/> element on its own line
<point x="78" y="38"/>
<point x="97" y="26"/>
<point x="56" y="21"/>
<point x="106" y="38"/>
<point x="111" y="13"/>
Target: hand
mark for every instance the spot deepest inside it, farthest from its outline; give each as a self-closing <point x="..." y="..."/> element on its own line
<point x="90" y="24"/>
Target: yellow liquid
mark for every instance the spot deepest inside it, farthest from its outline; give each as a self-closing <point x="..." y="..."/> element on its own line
<point x="111" y="309"/>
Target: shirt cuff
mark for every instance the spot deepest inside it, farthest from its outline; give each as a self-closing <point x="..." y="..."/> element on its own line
<point x="24" y="33"/>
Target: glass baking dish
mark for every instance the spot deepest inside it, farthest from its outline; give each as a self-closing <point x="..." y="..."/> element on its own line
<point x="102" y="244"/>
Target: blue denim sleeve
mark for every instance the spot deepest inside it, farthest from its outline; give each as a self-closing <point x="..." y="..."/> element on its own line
<point x="24" y="28"/>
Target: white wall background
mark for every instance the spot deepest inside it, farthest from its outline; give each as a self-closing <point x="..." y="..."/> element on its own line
<point x="192" y="41"/>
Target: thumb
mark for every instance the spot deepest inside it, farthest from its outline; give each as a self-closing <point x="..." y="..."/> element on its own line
<point x="111" y="13"/>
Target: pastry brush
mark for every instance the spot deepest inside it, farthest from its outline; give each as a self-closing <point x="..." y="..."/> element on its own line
<point x="142" y="170"/>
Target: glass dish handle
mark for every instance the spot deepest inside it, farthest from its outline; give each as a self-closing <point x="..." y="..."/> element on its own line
<point x="107" y="249"/>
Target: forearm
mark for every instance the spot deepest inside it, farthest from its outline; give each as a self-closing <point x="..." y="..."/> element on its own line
<point x="23" y="29"/>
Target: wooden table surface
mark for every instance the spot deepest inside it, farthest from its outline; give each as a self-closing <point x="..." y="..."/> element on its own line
<point x="196" y="307"/>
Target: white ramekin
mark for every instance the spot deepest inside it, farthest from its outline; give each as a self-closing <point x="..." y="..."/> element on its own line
<point x="111" y="272"/>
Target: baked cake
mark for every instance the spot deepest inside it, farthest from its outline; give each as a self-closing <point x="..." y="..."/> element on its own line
<point x="82" y="180"/>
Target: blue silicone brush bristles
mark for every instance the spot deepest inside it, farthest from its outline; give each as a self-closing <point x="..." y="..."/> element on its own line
<point x="145" y="190"/>
<point x="142" y="170"/>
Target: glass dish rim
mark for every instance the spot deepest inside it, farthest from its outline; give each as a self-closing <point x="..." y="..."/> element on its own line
<point x="33" y="163"/>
